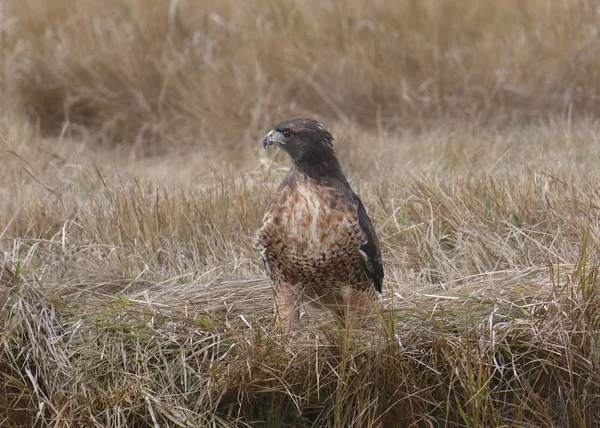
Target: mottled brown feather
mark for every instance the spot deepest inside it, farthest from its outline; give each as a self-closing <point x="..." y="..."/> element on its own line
<point x="316" y="237"/>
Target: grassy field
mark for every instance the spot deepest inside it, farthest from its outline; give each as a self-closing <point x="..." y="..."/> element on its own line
<point x="132" y="178"/>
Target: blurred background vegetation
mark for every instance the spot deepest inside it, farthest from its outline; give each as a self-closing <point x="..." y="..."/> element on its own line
<point x="185" y="72"/>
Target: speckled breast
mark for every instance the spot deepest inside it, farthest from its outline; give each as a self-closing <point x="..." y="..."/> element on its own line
<point x="313" y="237"/>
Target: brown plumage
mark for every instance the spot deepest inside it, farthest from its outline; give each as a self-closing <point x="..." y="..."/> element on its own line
<point x="317" y="241"/>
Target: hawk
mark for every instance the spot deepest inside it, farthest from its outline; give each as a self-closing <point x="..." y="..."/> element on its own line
<point x="317" y="241"/>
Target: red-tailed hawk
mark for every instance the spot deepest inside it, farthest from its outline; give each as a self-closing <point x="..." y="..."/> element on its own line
<point x="317" y="241"/>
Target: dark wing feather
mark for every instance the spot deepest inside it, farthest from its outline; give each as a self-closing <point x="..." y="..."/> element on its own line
<point x="374" y="267"/>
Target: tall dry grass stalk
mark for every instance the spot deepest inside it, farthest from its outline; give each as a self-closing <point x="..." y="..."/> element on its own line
<point x="130" y="294"/>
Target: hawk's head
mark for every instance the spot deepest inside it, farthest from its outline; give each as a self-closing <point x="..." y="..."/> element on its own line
<point x="304" y="139"/>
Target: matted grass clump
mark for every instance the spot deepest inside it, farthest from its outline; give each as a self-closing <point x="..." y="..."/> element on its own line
<point x="132" y="180"/>
<point x="117" y="360"/>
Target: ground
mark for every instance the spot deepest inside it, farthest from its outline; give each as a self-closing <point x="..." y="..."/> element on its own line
<point x="131" y="185"/>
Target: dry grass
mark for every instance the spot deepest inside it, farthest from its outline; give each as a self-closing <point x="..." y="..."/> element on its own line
<point x="169" y="72"/>
<point x="132" y="179"/>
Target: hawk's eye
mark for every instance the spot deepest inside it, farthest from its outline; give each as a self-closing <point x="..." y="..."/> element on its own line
<point x="286" y="133"/>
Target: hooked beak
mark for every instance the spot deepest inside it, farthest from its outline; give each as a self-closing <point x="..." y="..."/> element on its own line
<point x="273" y="138"/>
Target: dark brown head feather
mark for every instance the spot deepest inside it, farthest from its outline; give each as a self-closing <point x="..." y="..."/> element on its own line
<point x="310" y="146"/>
<point x="307" y="128"/>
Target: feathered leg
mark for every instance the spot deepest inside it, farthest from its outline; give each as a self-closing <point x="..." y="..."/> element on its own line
<point x="358" y="307"/>
<point x="287" y="311"/>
